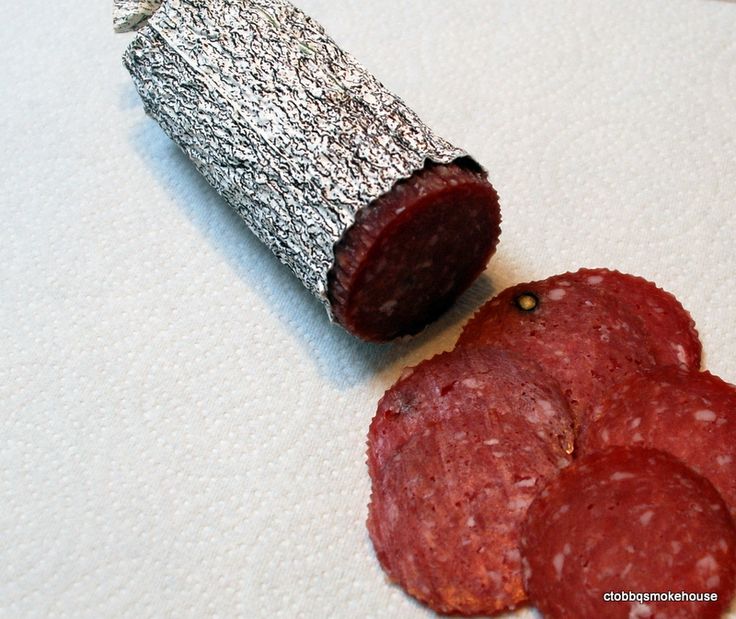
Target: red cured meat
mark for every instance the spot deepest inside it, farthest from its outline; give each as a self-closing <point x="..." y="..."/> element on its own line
<point x="467" y="380"/>
<point x="691" y="415"/>
<point x="589" y="329"/>
<point x="633" y="520"/>
<point x="671" y="329"/>
<point x="454" y="465"/>
<point x="412" y="252"/>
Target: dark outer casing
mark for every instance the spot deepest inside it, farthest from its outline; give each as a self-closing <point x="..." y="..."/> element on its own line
<point x="456" y="453"/>
<point x="628" y="520"/>
<point x="691" y="415"/>
<point x="590" y="330"/>
<point x="413" y="252"/>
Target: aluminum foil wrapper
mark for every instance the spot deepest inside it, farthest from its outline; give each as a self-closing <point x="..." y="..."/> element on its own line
<point x="130" y="15"/>
<point x="291" y="130"/>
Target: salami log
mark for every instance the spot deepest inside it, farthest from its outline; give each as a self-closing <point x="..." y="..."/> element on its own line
<point x="385" y="222"/>
<point x="589" y="329"/>
<point x="633" y="521"/>
<point x="411" y="253"/>
<point x="691" y="415"/>
<point x="456" y="452"/>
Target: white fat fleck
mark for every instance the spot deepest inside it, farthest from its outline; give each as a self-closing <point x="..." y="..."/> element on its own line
<point x="527" y="569"/>
<point x="567" y="549"/>
<point x="621" y="475"/>
<point x="627" y="569"/>
<point x="605" y="436"/>
<point x="471" y="383"/>
<point x="705" y="415"/>
<point x="393" y="513"/>
<point x="681" y="357"/>
<point x="495" y="577"/>
<point x="635" y="423"/>
<point x="491" y="441"/>
<point x="558" y="562"/>
<point x="388" y="307"/>
<point x="565" y="283"/>
<point x="713" y="581"/>
<point x="556" y="294"/>
<point x="499" y="454"/>
<point x="459" y="436"/>
<point x="637" y="438"/>
<point x="646" y="517"/>
<point x="724" y="460"/>
<point x="707" y="564"/>
<point x="639" y="611"/>
<point x="547" y="407"/>
<point x="676" y="547"/>
<point x="723" y="545"/>
<point x="595" y="279"/>
<point x="470" y="522"/>
<point x="512" y="555"/>
<point x="564" y="509"/>
<point x="526" y="483"/>
<point x="519" y="503"/>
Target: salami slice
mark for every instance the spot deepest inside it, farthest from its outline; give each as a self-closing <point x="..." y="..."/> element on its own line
<point x="456" y="453"/>
<point x="691" y="415"/>
<point x="628" y="520"/>
<point x="672" y="333"/>
<point x="468" y="380"/>
<point x="589" y="329"/>
<point x="414" y="251"/>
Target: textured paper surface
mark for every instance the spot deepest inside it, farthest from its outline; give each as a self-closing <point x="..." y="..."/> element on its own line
<point x="182" y="429"/>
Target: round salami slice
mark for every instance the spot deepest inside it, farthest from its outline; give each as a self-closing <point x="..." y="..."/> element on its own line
<point x="413" y="251"/>
<point x="589" y="329"/>
<point x="472" y="380"/>
<point x="628" y="521"/>
<point x="457" y="452"/>
<point x="691" y="415"/>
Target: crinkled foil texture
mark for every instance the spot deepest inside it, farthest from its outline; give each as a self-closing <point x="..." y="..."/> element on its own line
<point x="128" y="15"/>
<point x="294" y="133"/>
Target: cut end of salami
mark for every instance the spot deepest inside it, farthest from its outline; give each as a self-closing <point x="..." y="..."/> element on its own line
<point x="589" y="329"/>
<point x="412" y="252"/>
<point x="628" y="520"/>
<point x="456" y="452"/>
<point x="691" y="415"/>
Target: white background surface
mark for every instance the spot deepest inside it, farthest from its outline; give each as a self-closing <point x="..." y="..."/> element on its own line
<point x="182" y="432"/>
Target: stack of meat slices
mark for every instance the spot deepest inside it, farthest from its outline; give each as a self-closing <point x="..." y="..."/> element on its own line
<point x="568" y="453"/>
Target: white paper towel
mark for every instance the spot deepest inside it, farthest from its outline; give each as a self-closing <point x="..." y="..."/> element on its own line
<point x="183" y="432"/>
